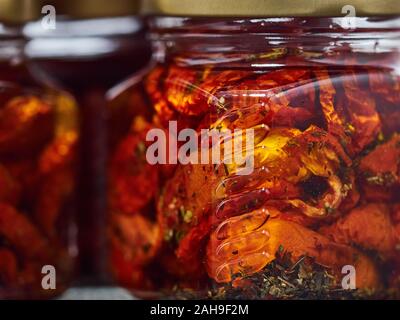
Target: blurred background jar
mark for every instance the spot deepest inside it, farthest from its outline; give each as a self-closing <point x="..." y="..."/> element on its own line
<point x="39" y="133"/>
<point x="318" y="85"/>
<point x="94" y="45"/>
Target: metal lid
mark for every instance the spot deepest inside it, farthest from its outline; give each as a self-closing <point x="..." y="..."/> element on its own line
<point x="83" y="9"/>
<point x="19" y="11"/>
<point x="271" y="8"/>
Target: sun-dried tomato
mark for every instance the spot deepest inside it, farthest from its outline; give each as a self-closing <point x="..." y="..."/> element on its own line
<point x="9" y="188"/>
<point x="369" y="227"/>
<point x="137" y="237"/>
<point x="132" y="180"/>
<point x="54" y="191"/>
<point x="247" y="252"/>
<point x="22" y="234"/>
<point x="26" y="123"/>
<point x="126" y="272"/>
<point x="8" y="267"/>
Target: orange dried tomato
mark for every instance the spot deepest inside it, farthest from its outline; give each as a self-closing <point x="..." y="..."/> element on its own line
<point x="26" y="123"/>
<point x="369" y="226"/>
<point x="22" y="233"/>
<point x="132" y="180"/>
<point x="9" y="188"/>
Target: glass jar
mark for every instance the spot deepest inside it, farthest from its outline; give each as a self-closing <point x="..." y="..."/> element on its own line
<point x="38" y="144"/>
<point x="95" y="45"/>
<point x="301" y="108"/>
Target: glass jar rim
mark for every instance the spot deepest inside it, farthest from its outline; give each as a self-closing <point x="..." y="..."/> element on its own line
<point x="215" y="26"/>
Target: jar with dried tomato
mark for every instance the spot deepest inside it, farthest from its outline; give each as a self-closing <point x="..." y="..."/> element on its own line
<point x="38" y="142"/>
<point x="270" y="166"/>
<point x="95" y="45"/>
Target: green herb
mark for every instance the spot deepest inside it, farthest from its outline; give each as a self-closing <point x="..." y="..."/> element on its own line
<point x="328" y="208"/>
<point x="349" y="129"/>
<point x="179" y="236"/>
<point x="285" y="279"/>
<point x="221" y="105"/>
<point x="168" y="235"/>
<point x="385" y="179"/>
<point x="318" y="134"/>
<point x="292" y="143"/>
<point x="140" y="149"/>
<point x="186" y="215"/>
<point x="310" y="146"/>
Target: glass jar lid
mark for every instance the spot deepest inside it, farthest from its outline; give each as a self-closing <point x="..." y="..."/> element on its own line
<point x="85" y="9"/>
<point x="271" y="8"/>
<point x="19" y="11"/>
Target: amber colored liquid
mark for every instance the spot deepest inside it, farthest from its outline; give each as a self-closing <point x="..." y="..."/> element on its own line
<point x="326" y="165"/>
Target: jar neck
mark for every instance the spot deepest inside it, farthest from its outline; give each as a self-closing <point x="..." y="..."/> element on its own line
<point x="274" y="42"/>
<point x="13" y="66"/>
<point x="12" y="44"/>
